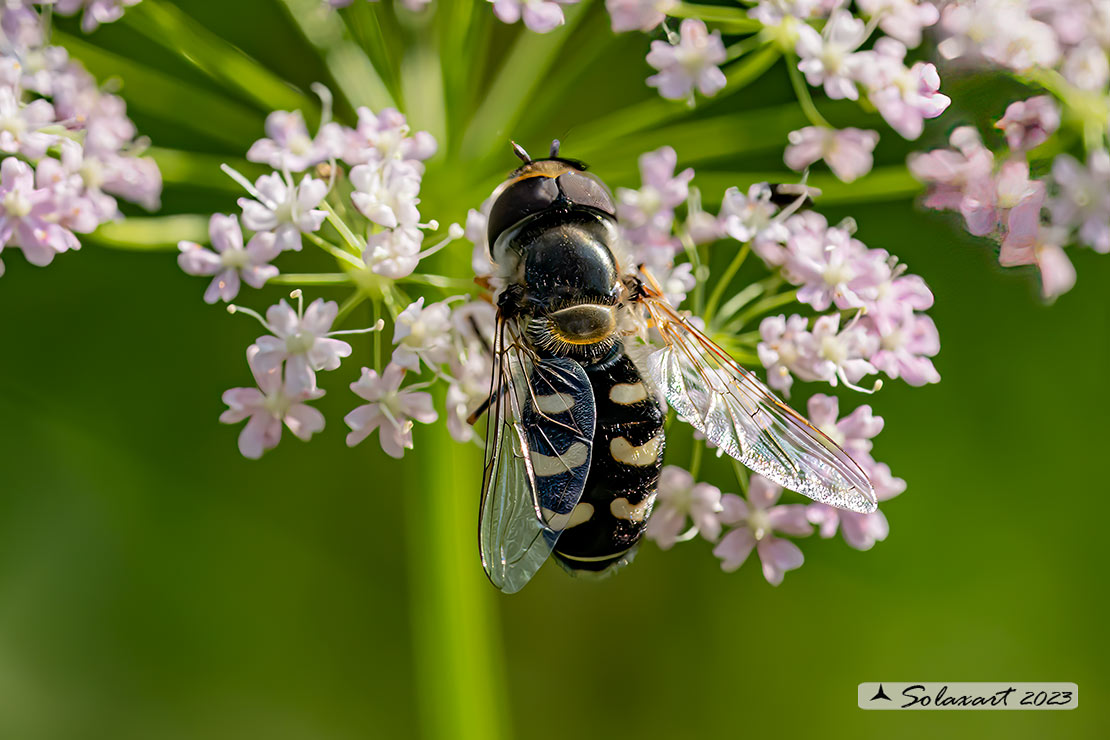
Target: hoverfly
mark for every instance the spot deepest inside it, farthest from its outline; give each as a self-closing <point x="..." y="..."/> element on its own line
<point x="574" y="443"/>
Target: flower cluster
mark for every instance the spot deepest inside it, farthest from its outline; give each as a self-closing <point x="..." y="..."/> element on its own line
<point x="1030" y="186"/>
<point x="816" y="268"/>
<point x="834" y="272"/>
<point x="68" y="147"/>
<point x="23" y="25"/>
<point x="1021" y="35"/>
<point x="829" y="43"/>
<point x="687" y="61"/>
<point x="850" y="311"/>
<point x="825" y="308"/>
<point x="904" y="95"/>
<point x="887" y="332"/>
<point x="371" y="173"/>
<point x="756" y="521"/>
<point x="832" y="43"/>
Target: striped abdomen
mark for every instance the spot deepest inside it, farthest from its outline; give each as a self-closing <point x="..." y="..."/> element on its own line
<point x="624" y="469"/>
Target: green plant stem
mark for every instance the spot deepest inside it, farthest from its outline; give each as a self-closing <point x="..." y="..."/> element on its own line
<point x="353" y="301"/>
<point x="759" y="308"/>
<point x="741" y="475"/>
<point x="377" y="303"/>
<point x="695" y="457"/>
<point x="747" y="339"/>
<point x="749" y="359"/>
<point x="439" y="281"/>
<point x="340" y="254"/>
<point x="312" y="278"/>
<point x="742" y="298"/>
<point x="733" y="20"/>
<point x="801" y="89"/>
<point x="694" y="256"/>
<point x="354" y="244"/>
<point x="724" y="281"/>
<point x="744" y="46"/>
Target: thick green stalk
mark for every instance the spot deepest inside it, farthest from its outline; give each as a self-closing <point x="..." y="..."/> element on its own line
<point x="459" y="671"/>
<point x="459" y="664"/>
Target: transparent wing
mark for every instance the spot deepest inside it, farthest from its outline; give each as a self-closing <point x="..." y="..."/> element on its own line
<point x="539" y="444"/>
<point x="745" y="419"/>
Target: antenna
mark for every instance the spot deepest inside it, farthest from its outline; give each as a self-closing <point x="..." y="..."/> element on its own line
<point x="554" y="148"/>
<point x="518" y="150"/>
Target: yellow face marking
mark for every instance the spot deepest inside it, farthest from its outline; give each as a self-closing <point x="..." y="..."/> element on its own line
<point x="646" y="454"/>
<point x="546" y="465"/>
<point x="621" y="509"/>
<point x="627" y="394"/>
<point x="598" y="336"/>
<point x="584" y="324"/>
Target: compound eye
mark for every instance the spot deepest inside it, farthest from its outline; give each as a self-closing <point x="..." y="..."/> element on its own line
<point x="582" y="188"/>
<point x="520" y="199"/>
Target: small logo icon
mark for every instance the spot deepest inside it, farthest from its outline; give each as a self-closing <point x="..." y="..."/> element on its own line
<point x="880" y="694"/>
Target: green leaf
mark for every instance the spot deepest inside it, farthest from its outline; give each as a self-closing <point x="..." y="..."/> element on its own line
<point x="717" y="138"/>
<point x="422" y="85"/>
<point x="165" y="24"/>
<point x="167" y="98"/>
<point x="381" y="45"/>
<point x="736" y="19"/>
<point x="522" y="70"/>
<point x="358" y="81"/>
<point x="880" y="185"/>
<point x="152" y="233"/>
<point x="354" y="73"/>
<point x="653" y="112"/>
<point x="203" y="170"/>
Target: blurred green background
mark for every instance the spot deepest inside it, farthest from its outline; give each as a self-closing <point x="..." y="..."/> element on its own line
<point x="154" y="584"/>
